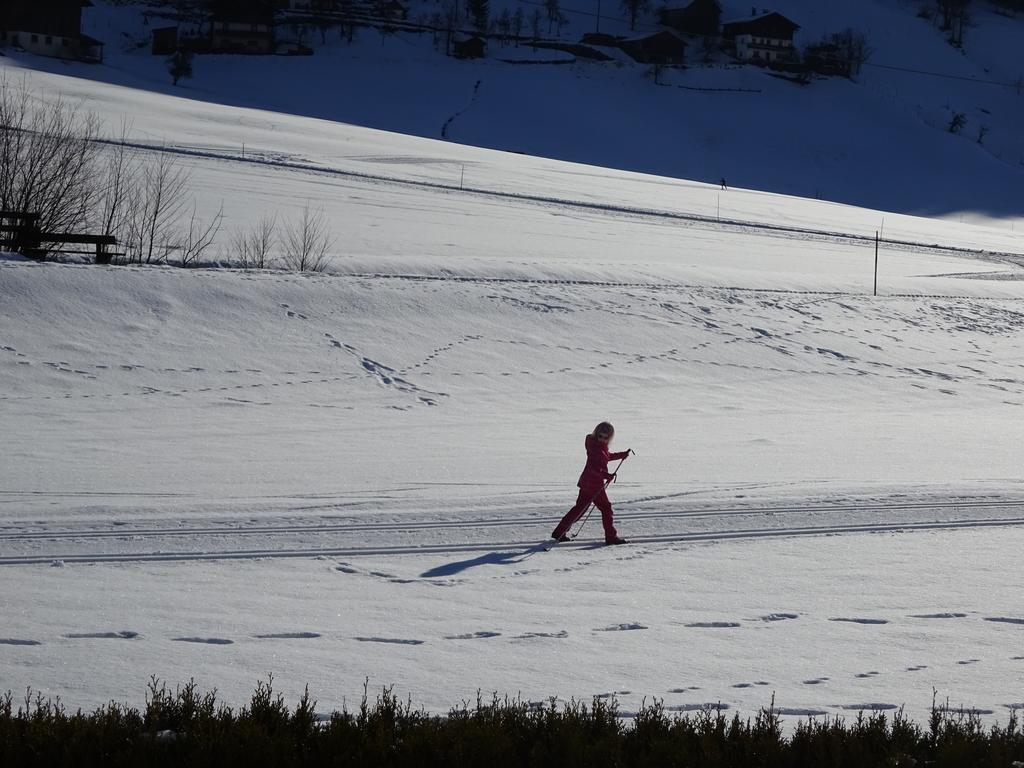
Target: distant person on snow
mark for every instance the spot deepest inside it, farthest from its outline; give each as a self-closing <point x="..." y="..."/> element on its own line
<point x="722" y="182"/>
<point x="592" y="483"/>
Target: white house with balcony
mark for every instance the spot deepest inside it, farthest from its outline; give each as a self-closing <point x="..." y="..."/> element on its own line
<point x="763" y="38"/>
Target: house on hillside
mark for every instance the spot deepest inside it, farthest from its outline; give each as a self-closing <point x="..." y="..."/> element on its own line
<point x="765" y="38"/>
<point x="663" y="47"/>
<point x="242" y="26"/>
<point x="700" y="18"/>
<point x="48" y="28"/>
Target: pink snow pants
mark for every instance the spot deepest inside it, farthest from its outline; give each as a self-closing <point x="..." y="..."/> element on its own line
<point x="582" y="501"/>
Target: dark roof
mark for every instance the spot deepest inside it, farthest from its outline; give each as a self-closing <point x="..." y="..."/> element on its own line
<point x="243" y="11"/>
<point x="766" y="24"/>
<point x="48" y="17"/>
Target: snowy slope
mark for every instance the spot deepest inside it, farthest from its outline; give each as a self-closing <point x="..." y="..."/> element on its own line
<point x="344" y="475"/>
<point x="882" y="142"/>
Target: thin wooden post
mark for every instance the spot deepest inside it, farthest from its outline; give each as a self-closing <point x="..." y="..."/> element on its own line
<point x="876" y="262"/>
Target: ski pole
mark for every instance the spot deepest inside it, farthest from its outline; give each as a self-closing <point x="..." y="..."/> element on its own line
<point x="590" y="505"/>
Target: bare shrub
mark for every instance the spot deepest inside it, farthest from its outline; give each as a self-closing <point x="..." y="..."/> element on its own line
<point x="199" y="237"/>
<point x="305" y="242"/>
<point x="254" y="248"/>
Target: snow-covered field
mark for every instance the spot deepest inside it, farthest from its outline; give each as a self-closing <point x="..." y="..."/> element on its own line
<point x="224" y="474"/>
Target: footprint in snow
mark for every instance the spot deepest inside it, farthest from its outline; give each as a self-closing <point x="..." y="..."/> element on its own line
<point x="122" y="635"/>
<point x="713" y="624"/>
<point x="473" y="636"/>
<point x="816" y="681"/>
<point x="612" y="694"/>
<point x="17" y="641"/>
<point x="560" y="635"/>
<point x="938" y="616"/>
<point x="204" y="640"/>
<point x="917" y="668"/>
<point x="873" y="707"/>
<point x="621" y="627"/>
<point x="965" y="662"/>
<point x="864" y="675"/>
<point x="389" y="640"/>
<point x="684" y="690"/>
<point x="1004" y="620"/>
<point x="289" y="636"/>
<point x="780" y="616"/>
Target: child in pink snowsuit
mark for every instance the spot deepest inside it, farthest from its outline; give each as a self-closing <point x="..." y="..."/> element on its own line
<point x="592" y="485"/>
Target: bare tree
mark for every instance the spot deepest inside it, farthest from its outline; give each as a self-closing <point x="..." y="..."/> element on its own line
<point x="253" y="248"/>
<point x="518" y="20"/>
<point x="120" y="174"/>
<point x="305" y="242"/>
<point x="450" y="21"/>
<point x="153" y="215"/>
<point x="535" y="22"/>
<point x="48" y="158"/>
<point x="554" y="11"/>
<point x="199" y="237"/>
<point x="634" y="8"/>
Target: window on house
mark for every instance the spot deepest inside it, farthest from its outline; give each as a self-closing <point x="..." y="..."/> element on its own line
<point x="35" y="38"/>
<point x="49" y="40"/>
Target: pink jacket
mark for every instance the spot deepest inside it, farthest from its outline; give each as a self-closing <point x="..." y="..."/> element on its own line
<point x="596" y="473"/>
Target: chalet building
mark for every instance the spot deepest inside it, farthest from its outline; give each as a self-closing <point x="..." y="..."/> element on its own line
<point x="242" y="26"/>
<point x="765" y="38"/>
<point x="663" y="47"/>
<point x="469" y="48"/>
<point x="48" y="28"/>
<point x="700" y="18"/>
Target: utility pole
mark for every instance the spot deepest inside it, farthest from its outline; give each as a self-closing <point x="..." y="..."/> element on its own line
<point x="598" y="28"/>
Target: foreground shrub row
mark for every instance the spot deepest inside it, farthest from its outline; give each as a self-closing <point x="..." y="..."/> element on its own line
<point x="190" y="728"/>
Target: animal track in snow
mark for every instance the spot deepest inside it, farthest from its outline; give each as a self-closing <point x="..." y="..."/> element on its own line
<point x="1004" y="620"/>
<point x="289" y="636"/>
<point x="800" y="711"/>
<point x="560" y="635"/>
<point x="917" y="668"/>
<point x="17" y="641"/>
<point x="861" y="620"/>
<point x="204" y="640"/>
<point x="684" y="690"/>
<point x="938" y="615"/>
<point x="816" y="681"/>
<point x="713" y="624"/>
<point x="779" y="616"/>
<point x="873" y="707"/>
<point x="122" y="635"/>
<point x="698" y="707"/>
<point x="864" y="675"/>
<point x="965" y="662"/>
<point x="473" y="636"/>
<point x="389" y="640"/>
<point x="621" y="627"/>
